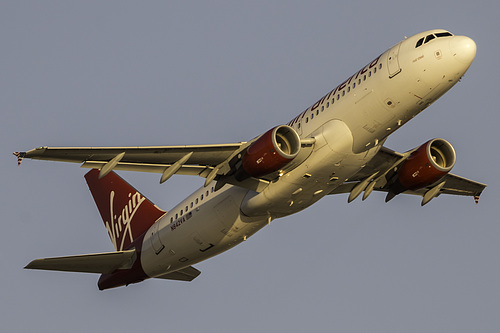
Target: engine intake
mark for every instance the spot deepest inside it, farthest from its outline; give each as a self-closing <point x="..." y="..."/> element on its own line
<point x="269" y="153"/>
<point x="428" y="164"/>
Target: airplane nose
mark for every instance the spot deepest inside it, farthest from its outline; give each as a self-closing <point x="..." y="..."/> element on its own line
<point x="463" y="49"/>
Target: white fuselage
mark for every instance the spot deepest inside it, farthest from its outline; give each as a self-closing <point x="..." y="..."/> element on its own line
<point x="349" y="124"/>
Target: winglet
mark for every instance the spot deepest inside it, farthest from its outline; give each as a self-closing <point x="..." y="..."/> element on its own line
<point x="20" y="156"/>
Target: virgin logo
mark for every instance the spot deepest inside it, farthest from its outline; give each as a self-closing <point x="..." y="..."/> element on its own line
<point x="120" y="226"/>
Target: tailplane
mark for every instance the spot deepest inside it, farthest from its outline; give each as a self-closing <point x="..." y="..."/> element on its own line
<point x="126" y="213"/>
<point x="103" y="263"/>
<point x="117" y="268"/>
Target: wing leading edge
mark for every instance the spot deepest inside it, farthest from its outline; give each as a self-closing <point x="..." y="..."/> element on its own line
<point x="204" y="155"/>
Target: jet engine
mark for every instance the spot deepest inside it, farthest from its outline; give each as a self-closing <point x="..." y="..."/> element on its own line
<point x="269" y="153"/>
<point x="426" y="165"/>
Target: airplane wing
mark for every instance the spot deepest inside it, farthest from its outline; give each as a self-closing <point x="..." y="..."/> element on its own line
<point x="208" y="161"/>
<point x="213" y="161"/>
<point x="383" y="164"/>
<point x="147" y="159"/>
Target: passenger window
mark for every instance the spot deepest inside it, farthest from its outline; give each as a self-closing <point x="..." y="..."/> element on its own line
<point x="176" y="216"/>
<point x="171" y="219"/>
<point x="354" y="85"/>
<point x="375" y="70"/>
<point x="201" y="197"/>
<point x="191" y="204"/>
<point x="380" y="66"/>
<point x="327" y="104"/>
<point x="207" y="193"/>
<point x="349" y="89"/>
<point x="312" y="115"/>
<point x="370" y="74"/>
<point x="181" y="212"/>
<point x="196" y="200"/>
<point x="186" y="209"/>
<point x="420" y="42"/>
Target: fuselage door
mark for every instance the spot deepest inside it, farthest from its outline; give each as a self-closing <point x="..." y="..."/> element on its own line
<point x="155" y="238"/>
<point x="393" y="61"/>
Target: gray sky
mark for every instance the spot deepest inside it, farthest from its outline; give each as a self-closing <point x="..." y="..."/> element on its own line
<point x="104" y="73"/>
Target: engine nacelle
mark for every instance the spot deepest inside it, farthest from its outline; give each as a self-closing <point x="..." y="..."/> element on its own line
<point x="271" y="152"/>
<point x="426" y="165"/>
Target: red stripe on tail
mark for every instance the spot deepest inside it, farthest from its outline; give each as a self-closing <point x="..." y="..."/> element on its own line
<point x="126" y="213"/>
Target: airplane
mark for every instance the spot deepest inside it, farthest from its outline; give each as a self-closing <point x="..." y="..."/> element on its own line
<point x="335" y="146"/>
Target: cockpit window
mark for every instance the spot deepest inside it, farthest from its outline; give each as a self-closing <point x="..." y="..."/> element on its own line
<point x="444" y="34"/>
<point x="430" y="37"/>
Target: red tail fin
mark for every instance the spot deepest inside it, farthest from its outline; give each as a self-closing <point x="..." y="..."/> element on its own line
<point x="126" y="213"/>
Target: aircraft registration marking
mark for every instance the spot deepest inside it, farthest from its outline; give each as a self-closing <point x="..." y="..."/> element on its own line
<point x="180" y="221"/>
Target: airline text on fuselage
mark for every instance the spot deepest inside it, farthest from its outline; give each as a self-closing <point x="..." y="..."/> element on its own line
<point x="339" y="88"/>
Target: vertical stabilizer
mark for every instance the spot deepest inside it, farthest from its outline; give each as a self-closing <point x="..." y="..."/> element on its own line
<point x="126" y="213"/>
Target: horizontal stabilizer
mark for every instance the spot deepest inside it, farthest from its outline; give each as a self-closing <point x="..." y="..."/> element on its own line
<point x="87" y="263"/>
<point x="185" y="274"/>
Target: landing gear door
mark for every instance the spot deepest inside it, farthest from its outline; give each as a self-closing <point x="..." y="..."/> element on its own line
<point x="393" y="61"/>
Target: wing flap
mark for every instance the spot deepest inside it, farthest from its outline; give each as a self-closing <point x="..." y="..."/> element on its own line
<point x="190" y="170"/>
<point x="87" y="263"/>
